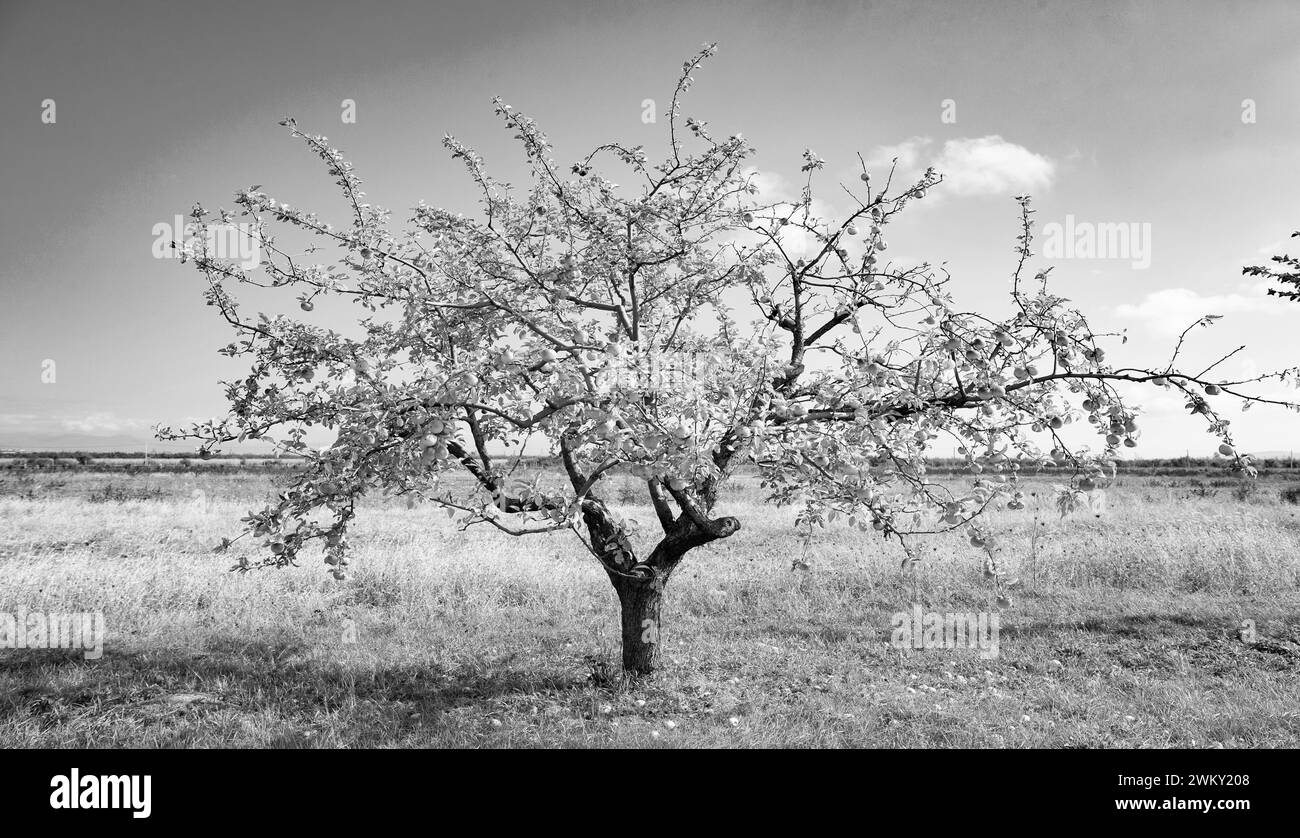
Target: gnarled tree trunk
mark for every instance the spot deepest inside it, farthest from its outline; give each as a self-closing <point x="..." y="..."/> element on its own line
<point x="640" y="601"/>
<point x="640" y="584"/>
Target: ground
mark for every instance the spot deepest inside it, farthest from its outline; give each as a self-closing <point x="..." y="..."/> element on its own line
<point x="1124" y="631"/>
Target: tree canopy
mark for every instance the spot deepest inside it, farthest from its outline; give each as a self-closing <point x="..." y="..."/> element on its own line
<point x="673" y="330"/>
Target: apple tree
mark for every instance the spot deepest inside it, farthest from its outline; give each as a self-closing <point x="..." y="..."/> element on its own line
<point x="510" y="364"/>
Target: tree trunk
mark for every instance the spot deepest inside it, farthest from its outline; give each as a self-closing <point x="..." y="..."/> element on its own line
<point x="640" y="601"/>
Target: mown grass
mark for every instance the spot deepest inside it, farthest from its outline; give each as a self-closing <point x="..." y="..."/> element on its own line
<point x="1123" y="632"/>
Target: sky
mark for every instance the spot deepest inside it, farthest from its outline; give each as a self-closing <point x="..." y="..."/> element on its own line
<point x="1181" y="118"/>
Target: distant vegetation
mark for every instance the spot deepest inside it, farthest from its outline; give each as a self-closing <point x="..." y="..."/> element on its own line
<point x="137" y="462"/>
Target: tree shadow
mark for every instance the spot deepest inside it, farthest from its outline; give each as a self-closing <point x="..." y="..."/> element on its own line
<point x="1142" y="626"/>
<point x="248" y="676"/>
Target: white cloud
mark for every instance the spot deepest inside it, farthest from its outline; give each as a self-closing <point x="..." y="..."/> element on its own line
<point x="17" y="420"/>
<point x="992" y="166"/>
<point x="101" y="423"/>
<point x="908" y="153"/>
<point x="776" y="189"/>
<point x="971" y="165"/>
<point x="1171" y="310"/>
<point x="772" y="186"/>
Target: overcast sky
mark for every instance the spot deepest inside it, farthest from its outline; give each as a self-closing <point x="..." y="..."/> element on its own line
<point x="1106" y="112"/>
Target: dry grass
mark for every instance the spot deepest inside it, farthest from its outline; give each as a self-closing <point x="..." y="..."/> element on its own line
<point x="1123" y="633"/>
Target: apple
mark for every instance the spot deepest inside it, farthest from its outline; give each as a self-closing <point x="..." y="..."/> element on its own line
<point x="306" y="305"/>
<point x="864" y="177"/>
<point x="1227" y="450"/>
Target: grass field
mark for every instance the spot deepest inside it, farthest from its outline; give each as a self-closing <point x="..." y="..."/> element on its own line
<point x="1124" y="632"/>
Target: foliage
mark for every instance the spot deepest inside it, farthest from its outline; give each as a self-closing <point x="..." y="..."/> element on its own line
<point x="1286" y="272"/>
